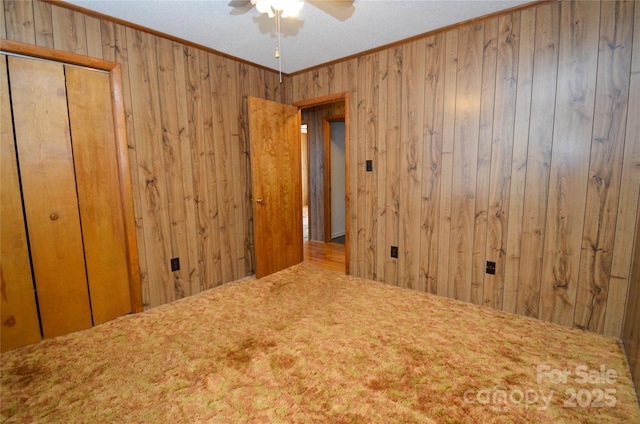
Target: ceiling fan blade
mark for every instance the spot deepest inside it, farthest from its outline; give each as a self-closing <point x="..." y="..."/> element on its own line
<point x="339" y="9"/>
<point x="240" y="7"/>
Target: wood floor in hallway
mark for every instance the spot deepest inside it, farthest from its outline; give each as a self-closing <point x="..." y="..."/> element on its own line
<point x="325" y="255"/>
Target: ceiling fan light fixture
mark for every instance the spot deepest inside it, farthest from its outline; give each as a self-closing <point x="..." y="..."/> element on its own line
<point x="286" y="8"/>
<point x="291" y="8"/>
<point x="278" y="9"/>
<point x="263" y="6"/>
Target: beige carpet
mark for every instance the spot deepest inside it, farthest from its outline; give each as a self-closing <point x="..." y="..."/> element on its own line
<point x="308" y="346"/>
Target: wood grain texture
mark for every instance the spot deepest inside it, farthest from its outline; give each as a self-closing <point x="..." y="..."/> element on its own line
<point x="39" y="102"/>
<point x="349" y="81"/>
<point x="18" y="21"/>
<point x="114" y="49"/>
<point x="69" y="31"/>
<point x="98" y="185"/>
<point x="325" y="255"/>
<point x="115" y="91"/>
<point x="513" y="254"/>
<point x="607" y="147"/>
<point x="465" y="158"/>
<point x="211" y="187"/>
<point x="411" y="147"/>
<point x="221" y="154"/>
<point x="313" y="118"/>
<point x="172" y="155"/>
<point x="19" y="315"/>
<point x="431" y="163"/>
<point x="43" y="24"/>
<point x="538" y="161"/>
<point x="631" y="329"/>
<point x="94" y="37"/>
<point x="382" y="78"/>
<point x="203" y="224"/>
<point x="126" y="193"/>
<point x="276" y="181"/>
<point x="483" y="170"/>
<point x="444" y="223"/>
<point x="371" y="182"/>
<point x="185" y="244"/>
<point x="3" y="32"/>
<point x="541" y="107"/>
<point x="243" y="86"/>
<point x="573" y="120"/>
<point x="237" y="190"/>
<point x="501" y="157"/>
<point x="625" y="255"/>
<point x="392" y="165"/>
<point x="170" y="132"/>
<point x="360" y="200"/>
<point x="516" y="151"/>
<point x="150" y="170"/>
<point x="326" y="179"/>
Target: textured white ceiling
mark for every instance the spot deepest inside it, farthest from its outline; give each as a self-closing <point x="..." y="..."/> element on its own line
<point x="314" y="38"/>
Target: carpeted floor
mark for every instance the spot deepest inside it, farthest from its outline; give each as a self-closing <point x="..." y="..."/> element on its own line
<point x="309" y="346"/>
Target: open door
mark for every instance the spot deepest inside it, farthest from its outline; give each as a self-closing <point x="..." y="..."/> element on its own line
<point x="274" y="134"/>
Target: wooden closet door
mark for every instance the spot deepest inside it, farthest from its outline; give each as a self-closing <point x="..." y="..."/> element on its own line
<point x="101" y="211"/>
<point x="45" y="157"/>
<point x="20" y="325"/>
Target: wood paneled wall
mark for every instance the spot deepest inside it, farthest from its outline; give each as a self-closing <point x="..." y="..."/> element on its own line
<point x="314" y="117"/>
<point x="512" y="139"/>
<point x="187" y="134"/>
<point x="631" y="330"/>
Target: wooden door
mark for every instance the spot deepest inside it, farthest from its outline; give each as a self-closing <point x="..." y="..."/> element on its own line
<point x="41" y="120"/>
<point x="17" y="300"/>
<point x="72" y="194"/>
<point x="99" y="193"/>
<point x="274" y="132"/>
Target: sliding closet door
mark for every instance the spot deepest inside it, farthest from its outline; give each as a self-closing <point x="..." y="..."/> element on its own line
<point x="17" y="301"/>
<point x="45" y="156"/>
<point x="95" y="158"/>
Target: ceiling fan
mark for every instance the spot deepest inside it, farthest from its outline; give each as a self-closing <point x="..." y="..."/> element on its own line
<point x="339" y="9"/>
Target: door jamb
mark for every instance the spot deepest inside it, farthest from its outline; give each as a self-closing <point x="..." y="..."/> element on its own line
<point x="117" y="101"/>
<point x="308" y="173"/>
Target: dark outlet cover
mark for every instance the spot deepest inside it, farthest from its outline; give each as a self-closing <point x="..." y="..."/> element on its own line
<point x="394" y="251"/>
<point x="491" y="268"/>
<point x="369" y="165"/>
<point x="175" y="264"/>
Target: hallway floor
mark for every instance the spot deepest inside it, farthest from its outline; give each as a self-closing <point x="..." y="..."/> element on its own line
<point x="325" y="255"/>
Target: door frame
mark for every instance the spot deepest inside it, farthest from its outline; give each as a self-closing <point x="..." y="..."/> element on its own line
<point x="333" y="98"/>
<point x="124" y="173"/>
<point x="305" y="175"/>
<point x="326" y="136"/>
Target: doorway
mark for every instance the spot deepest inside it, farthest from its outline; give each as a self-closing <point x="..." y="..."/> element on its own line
<point x="304" y="157"/>
<point x="278" y="223"/>
<point x="324" y="138"/>
<point x="334" y="174"/>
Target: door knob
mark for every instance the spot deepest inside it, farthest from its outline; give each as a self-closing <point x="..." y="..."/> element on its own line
<point x="53" y="216"/>
<point x="260" y="200"/>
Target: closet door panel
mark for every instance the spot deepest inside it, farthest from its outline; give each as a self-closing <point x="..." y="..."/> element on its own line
<point x="101" y="212"/>
<point x="49" y="190"/>
<point x="20" y="325"/>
